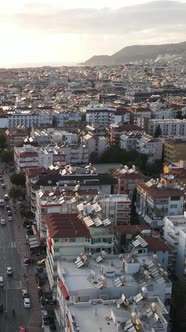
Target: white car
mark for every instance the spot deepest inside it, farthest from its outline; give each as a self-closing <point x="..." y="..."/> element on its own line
<point x="9" y="271"/>
<point x="6" y="198"/>
<point x="3" y="222"/>
<point x="27" y="303"/>
<point x="24" y="293"/>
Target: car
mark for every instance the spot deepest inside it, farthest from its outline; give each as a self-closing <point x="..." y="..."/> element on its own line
<point x="1" y="179"/>
<point x="42" y="262"/>
<point x="22" y="329"/>
<point x="9" y="271"/>
<point x="9" y="212"/>
<point x="27" y="303"/>
<point x="29" y="261"/>
<point x="8" y="208"/>
<point x="6" y="198"/>
<point x="24" y="292"/>
<point x="10" y="218"/>
<point x="2" y="203"/>
<point x="3" y="185"/>
<point x="3" y="221"/>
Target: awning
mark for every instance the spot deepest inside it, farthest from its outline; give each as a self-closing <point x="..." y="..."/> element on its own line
<point x="33" y="242"/>
<point x="63" y="289"/>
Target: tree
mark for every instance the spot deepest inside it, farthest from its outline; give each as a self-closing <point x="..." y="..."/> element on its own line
<point x="7" y="156"/>
<point x="17" y="192"/>
<point x="2" y="141"/>
<point x="157" y="132"/>
<point x="18" y="179"/>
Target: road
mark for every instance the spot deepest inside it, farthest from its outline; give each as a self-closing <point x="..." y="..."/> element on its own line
<point x="11" y="296"/>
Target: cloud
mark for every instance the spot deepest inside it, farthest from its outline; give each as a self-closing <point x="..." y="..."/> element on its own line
<point x="104" y="21"/>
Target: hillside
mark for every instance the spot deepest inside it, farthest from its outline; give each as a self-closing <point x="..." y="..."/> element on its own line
<point x="140" y="53"/>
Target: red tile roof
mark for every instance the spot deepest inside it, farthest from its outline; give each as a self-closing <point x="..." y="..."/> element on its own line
<point x="156" y="244"/>
<point x="160" y="192"/>
<point x="128" y="229"/>
<point x="65" y="226"/>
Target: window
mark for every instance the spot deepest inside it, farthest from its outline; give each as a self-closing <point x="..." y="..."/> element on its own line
<point x="72" y="239"/>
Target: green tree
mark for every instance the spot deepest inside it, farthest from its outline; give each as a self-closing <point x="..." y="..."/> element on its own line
<point x="157" y="132"/>
<point x="17" y="192"/>
<point x="2" y="141"/>
<point x="7" y="156"/>
<point x="18" y="179"/>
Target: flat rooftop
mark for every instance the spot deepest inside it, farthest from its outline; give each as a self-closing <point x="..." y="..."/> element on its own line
<point x="108" y="317"/>
<point x="178" y="221"/>
<point x="85" y="276"/>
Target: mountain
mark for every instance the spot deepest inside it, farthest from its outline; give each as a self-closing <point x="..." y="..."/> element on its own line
<point x="140" y="53"/>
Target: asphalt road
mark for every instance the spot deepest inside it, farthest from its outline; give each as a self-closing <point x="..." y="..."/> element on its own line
<point x="10" y="296"/>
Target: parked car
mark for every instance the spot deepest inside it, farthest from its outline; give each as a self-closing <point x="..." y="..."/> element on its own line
<point x="3" y="186"/>
<point x="6" y="198"/>
<point x="2" y="203"/>
<point x="24" y="292"/>
<point x="29" y="261"/>
<point x="42" y="262"/>
<point x="10" y="218"/>
<point x="9" y="212"/>
<point x="27" y="303"/>
<point x="3" y="221"/>
<point x="9" y="271"/>
<point x="8" y="208"/>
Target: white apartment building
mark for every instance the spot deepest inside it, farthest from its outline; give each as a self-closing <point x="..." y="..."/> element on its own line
<point x="102" y="115"/>
<point x="169" y="127"/>
<point x="157" y="198"/>
<point x="153" y="148"/>
<point x="85" y="282"/>
<point x="97" y="144"/>
<point x="29" y="118"/>
<point x="117" y="208"/>
<point x="51" y="135"/>
<point x="175" y="235"/>
<point x="29" y="156"/>
<point x="142" y="143"/>
<point x="64" y="116"/>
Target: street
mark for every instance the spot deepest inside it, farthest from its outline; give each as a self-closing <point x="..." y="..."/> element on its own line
<point x="12" y="252"/>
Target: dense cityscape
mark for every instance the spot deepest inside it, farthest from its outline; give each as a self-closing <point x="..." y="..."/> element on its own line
<point x="93" y="190"/>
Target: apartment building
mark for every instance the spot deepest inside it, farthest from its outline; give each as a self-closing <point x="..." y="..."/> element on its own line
<point x="157" y="198"/>
<point x="51" y="135"/>
<point x="64" y="116"/>
<point x="117" y="208"/>
<point x="115" y="131"/>
<point x="102" y="115"/>
<point x="142" y="143"/>
<point x="28" y="118"/>
<point x="71" y="178"/>
<point x="175" y="235"/>
<point x="56" y="201"/>
<point x="174" y="150"/>
<point x="29" y="156"/>
<point x="68" y="236"/>
<point x="15" y="136"/>
<point x="169" y="127"/>
<point x="83" y="284"/>
<point x="127" y="180"/>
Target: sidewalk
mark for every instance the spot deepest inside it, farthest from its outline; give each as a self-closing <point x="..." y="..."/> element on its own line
<point x="29" y="280"/>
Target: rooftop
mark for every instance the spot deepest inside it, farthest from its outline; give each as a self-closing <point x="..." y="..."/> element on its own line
<point x="106" y="316"/>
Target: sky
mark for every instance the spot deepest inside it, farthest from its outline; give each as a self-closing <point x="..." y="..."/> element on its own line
<point x="56" y="32"/>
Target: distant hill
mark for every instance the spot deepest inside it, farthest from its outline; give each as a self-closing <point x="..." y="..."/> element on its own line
<point x="140" y="53"/>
